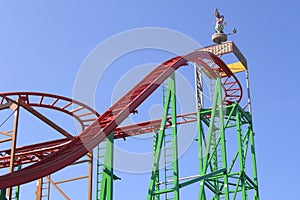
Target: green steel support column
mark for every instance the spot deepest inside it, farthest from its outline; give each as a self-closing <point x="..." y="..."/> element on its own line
<point x="174" y="138"/>
<point x="223" y="138"/>
<point x="254" y="166"/>
<point x="207" y="147"/>
<point x="241" y="156"/>
<point x="157" y="153"/>
<point x="211" y="151"/>
<point x="170" y="96"/>
<point x="199" y="106"/>
<point x="17" y="188"/>
<point x="200" y="150"/>
<point x="3" y="194"/>
<point x="200" y="141"/>
<point x="108" y="175"/>
<point x="157" y="186"/>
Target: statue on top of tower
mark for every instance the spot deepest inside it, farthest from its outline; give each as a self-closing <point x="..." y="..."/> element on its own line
<point x="220" y="36"/>
<point x="219" y="22"/>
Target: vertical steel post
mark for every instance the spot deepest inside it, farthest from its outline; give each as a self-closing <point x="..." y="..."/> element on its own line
<point x="248" y="91"/>
<point x="15" y="107"/>
<point x="174" y="138"/>
<point x="241" y="155"/>
<point x="206" y="155"/>
<point x="199" y="107"/>
<point x="198" y="86"/>
<point x="254" y="165"/>
<point x="157" y="186"/>
<point x="3" y="194"/>
<point x="108" y="174"/>
<point x="90" y="178"/>
<point x="18" y="187"/>
<point x="200" y="152"/>
<point x="38" y="192"/>
<point x="223" y="138"/>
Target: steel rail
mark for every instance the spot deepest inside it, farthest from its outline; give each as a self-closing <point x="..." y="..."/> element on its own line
<point x="81" y="112"/>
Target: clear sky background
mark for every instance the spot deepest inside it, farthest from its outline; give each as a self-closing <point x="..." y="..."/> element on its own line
<point x="44" y="43"/>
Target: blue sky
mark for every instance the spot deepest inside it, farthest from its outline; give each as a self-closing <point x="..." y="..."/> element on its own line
<point x="43" y="45"/>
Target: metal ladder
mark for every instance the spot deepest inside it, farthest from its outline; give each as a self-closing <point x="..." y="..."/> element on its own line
<point x="45" y="189"/>
<point x="165" y="184"/>
<point x="168" y="151"/>
<point x="217" y="157"/>
<point x="101" y="149"/>
<point x="216" y="146"/>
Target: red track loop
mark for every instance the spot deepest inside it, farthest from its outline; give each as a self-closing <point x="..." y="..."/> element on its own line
<point x="84" y="114"/>
<point x="106" y="123"/>
<point x="34" y="153"/>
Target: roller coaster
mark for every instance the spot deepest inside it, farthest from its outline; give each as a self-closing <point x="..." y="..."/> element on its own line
<point x="220" y="177"/>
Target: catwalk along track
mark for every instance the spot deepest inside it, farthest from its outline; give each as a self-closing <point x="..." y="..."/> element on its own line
<point x="98" y="129"/>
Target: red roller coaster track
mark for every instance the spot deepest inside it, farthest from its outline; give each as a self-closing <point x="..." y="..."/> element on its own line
<point x="35" y="152"/>
<point x="110" y="119"/>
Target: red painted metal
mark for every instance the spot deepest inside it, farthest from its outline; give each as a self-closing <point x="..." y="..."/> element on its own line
<point x="36" y="152"/>
<point x="109" y="121"/>
<point x="151" y="126"/>
<point x="54" y="102"/>
<point x="31" y="153"/>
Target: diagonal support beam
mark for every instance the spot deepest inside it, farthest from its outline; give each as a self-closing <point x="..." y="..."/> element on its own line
<point x="58" y="188"/>
<point x="46" y="120"/>
<point x="6" y="105"/>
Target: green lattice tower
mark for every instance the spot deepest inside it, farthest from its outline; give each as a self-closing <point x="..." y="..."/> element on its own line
<point x="222" y="178"/>
<point x="233" y="144"/>
<point x="222" y="173"/>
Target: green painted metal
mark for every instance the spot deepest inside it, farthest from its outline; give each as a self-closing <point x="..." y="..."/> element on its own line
<point x="235" y="182"/>
<point x="157" y="186"/>
<point x="241" y="156"/>
<point x="99" y="168"/>
<point x="160" y="139"/>
<point x="174" y="139"/>
<point x="170" y="167"/>
<point x="218" y="180"/>
<point x="157" y="153"/>
<point x="205" y="158"/>
<point x="16" y="189"/>
<point x="163" y="178"/>
<point x="108" y="176"/>
<point x="254" y="165"/>
<point x="3" y="194"/>
<point x="223" y="140"/>
<point x="207" y="176"/>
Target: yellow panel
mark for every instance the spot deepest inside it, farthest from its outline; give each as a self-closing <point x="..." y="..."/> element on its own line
<point x="236" y="67"/>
